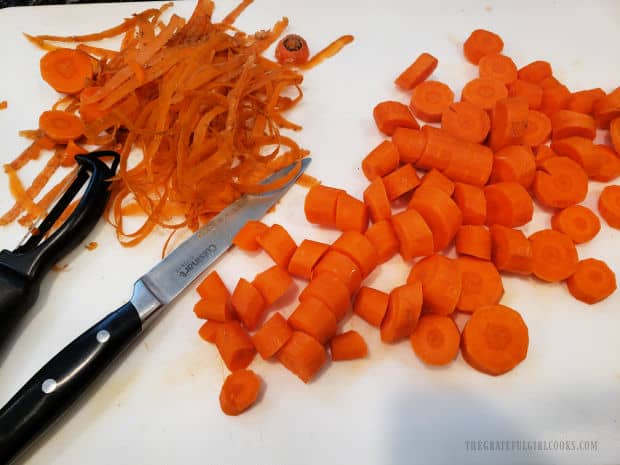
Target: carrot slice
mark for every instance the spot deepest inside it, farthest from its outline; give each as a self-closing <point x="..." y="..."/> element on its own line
<point x="320" y="205"/>
<point x="474" y="241"/>
<point x="66" y="70"/>
<point x="609" y="164"/>
<point x="272" y="283"/>
<point x="390" y="115"/>
<point x="348" y="346"/>
<point x="404" y="308"/>
<point x="514" y="163"/>
<point x="614" y="132"/>
<point x="342" y="267"/>
<point x="560" y="183"/>
<point x="409" y="144"/>
<point x="358" y="248"/>
<point x="60" y="126"/>
<point x="213" y="288"/>
<point x="278" y="244"/>
<point x="331" y="290"/>
<point x="414" y="235"/>
<point x="580" y="150"/>
<point x="440" y="213"/>
<point x="466" y="121"/>
<point x="351" y="214"/>
<point x="592" y="282"/>
<point x="430" y="99"/>
<point x="248" y="303"/>
<point x="543" y="153"/>
<point x="382" y="160"/>
<point x="512" y="251"/>
<point x="383" y="238"/>
<point x="509" y="122"/>
<point x="377" y="201"/>
<point x="484" y="92"/>
<point x="400" y="181"/>
<point x="508" y="204"/>
<point x="215" y="310"/>
<point x="314" y="318"/>
<point x="495" y="340"/>
<point x="554" y="256"/>
<point x="481" y="284"/>
<point x="609" y="205"/>
<point x="417" y="72"/>
<point x="305" y="258"/>
<point x="245" y="239"/>
<point x="584" y="100"/>
<point x="292" y="49"/>
<point x="538" y="129"/>
<point x="499" y="67"/>
<point x="272" y="336"/>
<point x="234" y="345"/>
<point x="535" y="71"/>
<point x="239" y="392"/>
<point x="371" y="305"/>
<point x="435" y="339"/>
<point x="434" y="178"/>
<point x="567" y="123"/>
<point x="439" y="149"/>
<point x="577" y="222"/>
<point x="531" y="92"/>
<point x="607" y="108"/>
<point x="440" y="278"/>
<point x="472" y="203"/>
<point x="209" y="329"/>
<point x="555" y="98"/>
<point x="4" y="104"/>
<point x="481" y="43"/>
<point x="303" y="356"/>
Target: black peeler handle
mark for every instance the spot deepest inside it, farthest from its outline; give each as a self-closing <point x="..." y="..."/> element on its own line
<point x="22" y="269"/>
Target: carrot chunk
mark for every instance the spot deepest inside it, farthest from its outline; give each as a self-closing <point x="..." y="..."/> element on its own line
<point x="509" y="122"/>
<point x="481" y="43"/>
<point x="278" y="244"/>
<point x="499" y="67"/>
<point x="417" y="72"/>
<point x="234" y="345"/>
<point x="272" y="336"/>
<point x="508" y="204"/>
<point x="404" y="308"/>
<point x="371" y="305"/>
<point x="249" y="304"/>
<point x="60" y="126"/>
<point x="213" y="288"/>
<point x="390" y="115"/>
<point x="577" y="222"/>
<point x="400" y="181"/>
<point x="303" y="356"/>
<point x="609" y="164"/>
<point x="592" y="281"/>
<point x="358" y="248"/>
<point x="314" y="318"/>
<point x="414" y="235"/>
<point x="440" y="278"/>
<point x="538" y="129"/>
<point x="472" y="203"/>
<point x="607" y="108"/>
<point x="554" y="256"/>
<point x="535" y="71"/>
<point x="567" y="123"/>
<point x="272" y="283"/>
<point x="531" y="92"/>
<point x="239" y="392"/>
<point x="245" y="239"/>
<point x="474" y="241"/>
<point x="331" y="290"/>
<point x="348" y="346"/>
<point x="514" y="163"/>
<point x="555" y="98"/>
<point x="320" y="205"/>
<point x="584" y="100"/>
<point x="484" y="92"/>
<point x="560" y="183"/>
<point x="209" y="329"/>
<point x="435" y="179"/>
<point x="377" y="201"/>
<point x="66" y="70"/>
<point x="609" y="205"/>
<point x="351" y="213"/>
<point x="466" y="121"/>
<point x="435" y="339"/>
<point x="382" y="160"/>
<point x="481" y="284"/>
<point x="384" y="239"/>
<point x="511" y="250"/>
<point x="306" y="256"/>
<point x="216" y="310"/>
<point x="580" y="150"/>
<point x="342" y="267"/>
<point x="430" y="99"/>
<point x="410" y="144"/>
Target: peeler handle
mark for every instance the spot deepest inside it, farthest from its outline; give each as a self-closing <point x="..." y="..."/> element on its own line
<point x="17" y="295"/>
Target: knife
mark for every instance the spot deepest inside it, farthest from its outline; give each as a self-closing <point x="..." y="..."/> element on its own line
<point x="52" y="390"/>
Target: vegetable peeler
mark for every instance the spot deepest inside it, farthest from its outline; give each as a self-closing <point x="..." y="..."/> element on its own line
<point x="22" y="269"/>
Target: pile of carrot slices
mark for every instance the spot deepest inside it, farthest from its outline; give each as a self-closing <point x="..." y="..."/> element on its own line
<point x="469" y="181"/>
<point x="197" y="99"/>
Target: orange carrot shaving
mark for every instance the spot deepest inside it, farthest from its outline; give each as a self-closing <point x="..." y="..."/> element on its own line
<point x="327" y="52"/>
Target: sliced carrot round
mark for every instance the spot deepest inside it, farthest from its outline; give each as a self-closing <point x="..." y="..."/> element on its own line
<point x="61" y="126"/>
<point x="484" y="92"/>
<point x="495" y="339"/>
<point x="535" y="71"/>
<point x="560" y="183"/>
<point x="609" y="166"/>
<point x="530" y="92"/>
<point x="511" y="250"/>
<point x="414" y="235"/>
<point x="554" y="256"/>
<point x="348" y="346"/>
<point x="430" y="99"/>
<point x="66" y="70"/>
<point x="514" y="163"/>
<point x="580" y="150"/>
<point x="390" y="115"/>
<point x="383" y="237"/>
<point x="239" y="392"/>
<point x="303" y="356"/>
<point x="471" y="202"/>
<point x="578" y="222"/>
<point x="499" y="67"/>
<point x="466" y="121"/>
<point x="567" y="123"/>
<point x="441" y="283"/>
<point x="509" y="122"/>
<point x="481" y="284"/>
<point x="592" y="282"/>
<point x="538" y="129"/>
<point x="404" y="308"/>
<point x="358" y="248"/>
<point x="508" y="204"/>
<point x="481" y="43"/>
<point x="371" y="305"/>
<point x="435" y="339"/>
<point x="417" y="72"/>
<point x="474" y="240"/>
<point x="583" y="101"/>
<point x="609" y="205"/>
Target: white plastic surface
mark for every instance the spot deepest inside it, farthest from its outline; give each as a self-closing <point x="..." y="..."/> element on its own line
<point x="160" y="405"/>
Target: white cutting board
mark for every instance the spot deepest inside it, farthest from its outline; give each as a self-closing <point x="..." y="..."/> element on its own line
<point x="160" y="406"/>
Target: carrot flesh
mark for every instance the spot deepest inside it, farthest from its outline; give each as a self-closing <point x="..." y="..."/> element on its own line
<point x="535" y="71"/>
<point x="609" y="205"/>
<point x="514" y="163"/>
<point x="592" y="281"/>
<point x="382" y="160"/>
<point x="472" y="203"/>
<point x="306" y="256"/>
<point x="384" y="239"/>
<point x="609" y="164"/>
<point x="584" y="100"/>
<point x="400" y="181"/>
<point x="567" y="123"/>
<point x="342" y="267"/>
<point x="509" y="122"/>
<point x="209" y="329"/>
<point x="245" y="239"/>
<point x="66" y="70"/>
<point x="484" y="92"/>
<point x="481" y="284"/>
<point x="377" y="201"/>
<point x="61" y="126"/>
<point x="371" y="305"/>
<point x="466" y="121"/>
<point x="213" y="288"/>
<point x="495" y="340"/>
<point x="560" y="183"/>
<point x="249" y="303"/>
<point x="314" y="318"/>
<point x="577" y="222"/>
<point x="331" y="290"/>
<point x="508" y="204"/>
<point x="511" y="250"/>
<point x="348" y="346"/>
<point x="234" y="345"/>
<point x="409" y="143"/>
<point x="303" y="356"/>
<point x="607" y="108"/>
<point x="614" y="132"/>
<point x="404" y="308"/>
<point x="413" y="234"/>
<point x="474" y="241"/>
<point x="272" y="283"/>
<point x="538" y="129"/>
<point x="481" y="43"/>
<point x="417" y="72"/>
<point x="531" y="92"/>
<point x="435" y="339"/>
<point x="239" y="392"/>
<point x="499" y="67"/>
<point x="272" y="336"/>
<point x="440" y="278"/>
<point x="580" y="150"/>
<point x="430" y="99"/>
<point x="320" y="205"/>
<point x="555" y="98"/>
<point x="215" y="310"/>
<point x="351" y="214"/>
<point x="358" y="248"/>
<point x="278" y="244"/>
<point x="554" y="256"/>
<point x="434" y="178"/>
<point x="543" y="153"/>
<point x="390" y="115"/>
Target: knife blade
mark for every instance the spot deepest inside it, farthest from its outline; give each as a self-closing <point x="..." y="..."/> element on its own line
<point x="52" y="390"/>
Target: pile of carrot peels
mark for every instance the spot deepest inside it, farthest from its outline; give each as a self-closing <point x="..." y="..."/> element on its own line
<point x="193" y="107"/>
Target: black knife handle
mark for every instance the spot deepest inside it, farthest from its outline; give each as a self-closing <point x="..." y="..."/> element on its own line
<point x="52" y="390"/>
<point x="17" y="295"/>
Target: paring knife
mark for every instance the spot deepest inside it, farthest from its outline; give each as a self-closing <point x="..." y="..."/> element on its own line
<point x="52" y="390"/>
